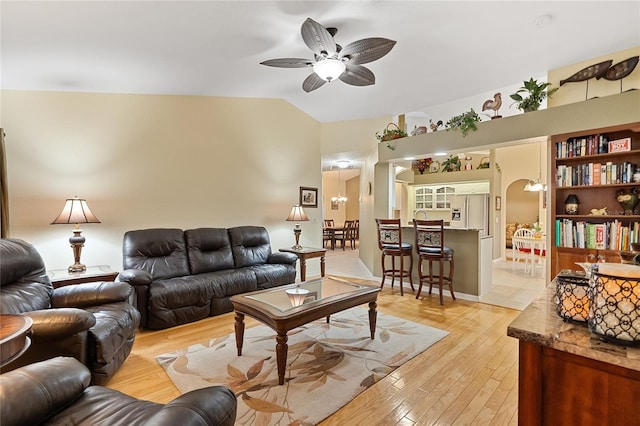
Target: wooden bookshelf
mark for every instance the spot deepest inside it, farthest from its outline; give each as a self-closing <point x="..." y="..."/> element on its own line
<point x="577" y="169"/>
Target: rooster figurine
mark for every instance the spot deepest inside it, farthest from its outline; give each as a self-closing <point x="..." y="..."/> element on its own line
<point x="434" y="126"/>
<point x="493" y="104"/>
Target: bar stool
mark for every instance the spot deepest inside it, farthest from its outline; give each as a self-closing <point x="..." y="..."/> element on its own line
<point x="430" y="246"/>
<point x="390" y="243"/>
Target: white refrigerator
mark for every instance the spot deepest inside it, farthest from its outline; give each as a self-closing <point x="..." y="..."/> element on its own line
<point x="470" y="212"/>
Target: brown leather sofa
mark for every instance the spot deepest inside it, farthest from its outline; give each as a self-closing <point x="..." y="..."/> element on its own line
<point x="184" y="276"/>
<point x="92" y="322"/>
<point x="57" y="392"/>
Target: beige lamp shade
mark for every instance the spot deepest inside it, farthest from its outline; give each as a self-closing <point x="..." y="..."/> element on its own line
<point x="297" y="215"/>
<point x="75" y="210"/>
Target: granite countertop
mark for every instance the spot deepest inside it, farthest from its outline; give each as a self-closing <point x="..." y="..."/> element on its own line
<point x="540" y="324"/>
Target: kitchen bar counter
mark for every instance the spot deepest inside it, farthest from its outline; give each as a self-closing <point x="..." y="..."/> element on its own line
<point x="472" y="261"/>
<point x="567" y="375"/>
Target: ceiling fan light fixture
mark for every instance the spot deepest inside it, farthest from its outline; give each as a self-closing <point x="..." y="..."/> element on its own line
<point x="329" y="69"/>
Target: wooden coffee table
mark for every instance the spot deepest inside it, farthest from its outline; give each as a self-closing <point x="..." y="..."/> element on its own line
<point x="273" y="307"/>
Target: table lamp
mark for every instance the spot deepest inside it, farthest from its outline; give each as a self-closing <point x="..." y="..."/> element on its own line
<point x="76" y="211"/>
<point x="297" y="215"/>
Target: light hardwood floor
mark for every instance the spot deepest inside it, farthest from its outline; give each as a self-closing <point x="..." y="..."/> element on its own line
<point x="469" y="377"/>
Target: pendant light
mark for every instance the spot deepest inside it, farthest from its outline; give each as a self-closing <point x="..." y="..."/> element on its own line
<point x="339" y="198"/>
<point x="536" y="186"/>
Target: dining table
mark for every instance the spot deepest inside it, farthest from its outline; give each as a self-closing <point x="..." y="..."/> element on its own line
<point x="535" y="247"/>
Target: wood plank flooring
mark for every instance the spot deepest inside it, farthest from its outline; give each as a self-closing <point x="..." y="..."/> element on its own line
<point x="468" y="378"/>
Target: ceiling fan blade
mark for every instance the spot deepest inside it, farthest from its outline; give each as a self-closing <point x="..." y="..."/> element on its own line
<point x="288" y="63"/>
<point x="312" y="82"/>
<point x="357" y="75"/>
<point x="366" y="50"/>
<point x="317" y="38"/>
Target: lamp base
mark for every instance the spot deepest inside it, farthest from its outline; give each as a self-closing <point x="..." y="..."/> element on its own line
<point x="297" y="231"/>
<point x="77" y="267"/>
<point x="77" y="242"/>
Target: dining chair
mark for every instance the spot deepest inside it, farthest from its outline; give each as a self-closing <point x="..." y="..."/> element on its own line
<point x="521" y="251"/>
<point x="328" y="234"/>
<point x="390" y="244"/>
<point x="429" y="236"/>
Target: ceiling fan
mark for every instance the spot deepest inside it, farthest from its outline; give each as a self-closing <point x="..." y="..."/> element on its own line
<point x="332" y="61"/>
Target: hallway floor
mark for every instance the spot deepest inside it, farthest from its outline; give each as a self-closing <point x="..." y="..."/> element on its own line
<point x="510" y="289"/>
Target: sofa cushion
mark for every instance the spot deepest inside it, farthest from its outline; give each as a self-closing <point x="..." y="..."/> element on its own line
<point x="272" y="275"/>
<point x="160" y="252"/>
<point x="230" y="282"/>
<point x="209" y="250"/>
<point x="250" y="245"/>
<point x="178" y="300"/>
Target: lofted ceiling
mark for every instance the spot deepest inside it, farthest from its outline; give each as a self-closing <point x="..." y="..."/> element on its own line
<point x="445" y="50"/>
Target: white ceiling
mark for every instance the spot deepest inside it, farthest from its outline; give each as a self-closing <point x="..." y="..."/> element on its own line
<point x="444" y="51"/>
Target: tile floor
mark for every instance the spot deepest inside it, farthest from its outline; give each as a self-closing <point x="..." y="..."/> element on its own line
<point x="509" y="289"/>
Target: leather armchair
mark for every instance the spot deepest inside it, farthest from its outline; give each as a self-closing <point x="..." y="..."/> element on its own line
<point x="92" y="322"/>
<point x="57" y="391"/>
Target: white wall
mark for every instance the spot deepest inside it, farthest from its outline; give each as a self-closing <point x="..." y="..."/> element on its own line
<point x="155" y="161"/>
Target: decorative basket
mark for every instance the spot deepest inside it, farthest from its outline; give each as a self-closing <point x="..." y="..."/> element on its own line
<point x="390" y="136"/>
<point x="615" y="304"/>
<point x="572" y="296"/>
<point x="484" y="163"/>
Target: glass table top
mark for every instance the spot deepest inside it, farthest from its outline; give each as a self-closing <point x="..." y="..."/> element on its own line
<point x="305" y="293"/>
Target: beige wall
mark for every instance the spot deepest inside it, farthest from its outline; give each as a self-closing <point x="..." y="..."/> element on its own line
<point x="155" y="161"/>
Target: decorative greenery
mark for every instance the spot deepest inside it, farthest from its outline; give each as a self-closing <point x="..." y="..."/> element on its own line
<point x="451" y="164"/>
<point x="464" y="122"/>
<point x="537" y="92"/>
<point x="390" y="134"/>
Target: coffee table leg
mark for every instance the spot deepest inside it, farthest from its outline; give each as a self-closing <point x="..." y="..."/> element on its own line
<point x="373" y="316"/>
<point x="322" y="268"/>
<point x="281" y="355"/>
<point x="239" y="327"/>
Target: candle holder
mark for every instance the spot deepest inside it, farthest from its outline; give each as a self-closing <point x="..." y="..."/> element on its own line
<point x="572" y="296"/>
<point x="615" y="305"/>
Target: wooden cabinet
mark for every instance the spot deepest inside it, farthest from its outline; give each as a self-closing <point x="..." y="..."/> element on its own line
<point x="583" y="165"/>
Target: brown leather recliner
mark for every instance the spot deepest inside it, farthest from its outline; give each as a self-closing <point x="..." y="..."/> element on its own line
<point x="92" y="322"/>
<point x="57" y="392"/>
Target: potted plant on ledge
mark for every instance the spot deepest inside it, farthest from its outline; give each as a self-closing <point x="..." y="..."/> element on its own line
<point x="536" y="93"/>
<point x="464" y="122"/>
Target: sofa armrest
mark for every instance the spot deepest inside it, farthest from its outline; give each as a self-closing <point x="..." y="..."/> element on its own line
<point x="90" y="294"/>
<point x="214" y="405"/>
<point x="58" y="323"/>
<point x="282" y="257"/>
<point x="135" y="277"/>
<point x="35" y="392"/>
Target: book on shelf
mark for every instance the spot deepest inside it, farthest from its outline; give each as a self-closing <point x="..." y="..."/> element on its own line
<point x="613" y="235"/>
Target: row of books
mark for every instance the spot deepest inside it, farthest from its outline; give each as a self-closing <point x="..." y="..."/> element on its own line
<point x="581" y="146"/>
<point x="589" y="174"/>
<point x="612" y="235"/>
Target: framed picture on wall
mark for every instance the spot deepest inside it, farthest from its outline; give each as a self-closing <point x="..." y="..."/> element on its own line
<point x="308" y="197"/>
<point x="334" y="205"/>
<point x="498" y="202"/>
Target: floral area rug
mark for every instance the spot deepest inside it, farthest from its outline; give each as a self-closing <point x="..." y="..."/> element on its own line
<point x="327" y="365"/>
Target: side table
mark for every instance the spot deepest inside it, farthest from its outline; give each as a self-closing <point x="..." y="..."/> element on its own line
<point x="14" y="337"/>
<point x="307" y="253"/>
<point x="62" y="277"/>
